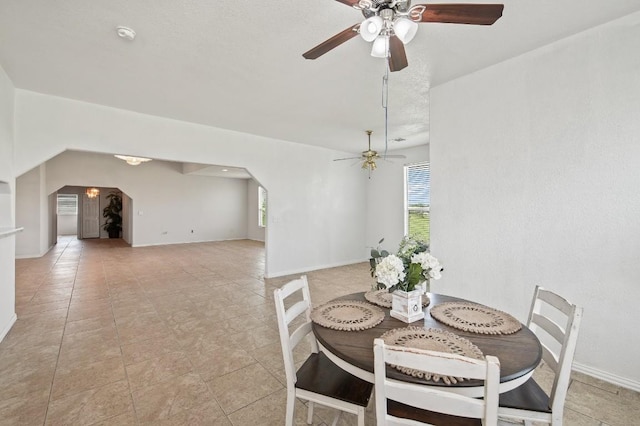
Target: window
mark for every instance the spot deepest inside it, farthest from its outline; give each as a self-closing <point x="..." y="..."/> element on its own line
<point x="417" y="200"/>
<point x="262" y="207"/>
<point x="67" y="204"/>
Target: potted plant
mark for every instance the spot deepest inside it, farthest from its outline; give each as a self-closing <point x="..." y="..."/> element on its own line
<point x="406" y="275"/>
<point x="113" y="224"/>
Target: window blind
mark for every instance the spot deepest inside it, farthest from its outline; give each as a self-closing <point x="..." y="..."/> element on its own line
<point x="418" y="200"/>
<point x="67" y="204"/>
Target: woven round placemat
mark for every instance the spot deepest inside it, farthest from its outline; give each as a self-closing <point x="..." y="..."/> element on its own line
<point x="383" y="298"/>
<point x="347" y="315"/>
<point x="431" y="339"/>
<point x="475" y="318"/>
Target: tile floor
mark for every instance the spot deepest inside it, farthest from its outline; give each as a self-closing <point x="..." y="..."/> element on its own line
<point x="166" y="335"/>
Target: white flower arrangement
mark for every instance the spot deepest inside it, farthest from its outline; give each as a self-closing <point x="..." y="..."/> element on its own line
<point x="406" y="269"/>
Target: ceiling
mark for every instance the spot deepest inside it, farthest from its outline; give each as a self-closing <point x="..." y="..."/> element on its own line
<point x="238" y="64"/>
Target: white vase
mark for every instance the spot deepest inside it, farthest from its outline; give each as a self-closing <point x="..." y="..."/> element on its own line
<point x="407" y="306"/>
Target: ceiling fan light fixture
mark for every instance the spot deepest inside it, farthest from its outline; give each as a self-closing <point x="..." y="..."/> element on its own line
<point x="405" y="29"/>
<point x="380" y="48"/>
<point x="371" y="27"/>
<point x="132" y="161"/>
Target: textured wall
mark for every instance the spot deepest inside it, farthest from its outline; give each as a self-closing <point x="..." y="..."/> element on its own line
<point x="535" y="181"/>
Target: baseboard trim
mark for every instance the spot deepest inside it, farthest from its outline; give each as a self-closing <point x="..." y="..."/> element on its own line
<point x="607" y="377"/>
<point x="7" y="328"/>
<point x="315" y="268"/>
<point x="33" y="256"/>
<point x="185" y="242"/>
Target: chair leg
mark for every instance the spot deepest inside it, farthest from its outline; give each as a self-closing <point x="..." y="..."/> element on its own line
<point x="291" y="403"/>
<point x="309" y="412"/>
<point x="361" y="417"/>
<point x="556" y="418"/>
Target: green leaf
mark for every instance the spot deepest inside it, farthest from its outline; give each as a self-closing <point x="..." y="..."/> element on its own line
<point x="414" y="276"/>
<point x="384" y="253"/>
<point x="380" y="242"/>
<point x="375" y="254"/>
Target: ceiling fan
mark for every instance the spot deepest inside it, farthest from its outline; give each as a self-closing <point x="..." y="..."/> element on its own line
<point x="390" y="24"/>
<point x="369" y="156"/>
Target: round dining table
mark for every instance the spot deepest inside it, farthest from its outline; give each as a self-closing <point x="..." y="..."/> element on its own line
<point x="519" y="353"/>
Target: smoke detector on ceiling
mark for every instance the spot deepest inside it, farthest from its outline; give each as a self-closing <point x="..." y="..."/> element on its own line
<point x="125" y="33"/>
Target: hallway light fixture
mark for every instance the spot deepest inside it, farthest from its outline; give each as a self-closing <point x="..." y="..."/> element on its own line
<point x="132" y="161"/>
<point x="92" y="192"/>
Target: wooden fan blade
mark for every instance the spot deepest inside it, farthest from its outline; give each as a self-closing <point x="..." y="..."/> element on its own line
<point x="475" y="14"/>
<point x="397" y="55"/>
<point x="333" y="42"/>
<point x="349" y="2"/>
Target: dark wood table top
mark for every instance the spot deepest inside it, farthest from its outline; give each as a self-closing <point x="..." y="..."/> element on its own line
<point x="519" y="353"/>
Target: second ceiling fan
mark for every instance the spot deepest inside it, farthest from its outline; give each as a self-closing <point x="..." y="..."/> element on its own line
<point x="370" y="156"/>
<point x="390" y="24"/>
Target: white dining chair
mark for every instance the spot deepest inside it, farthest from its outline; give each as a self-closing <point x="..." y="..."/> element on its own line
<point x="404" y="403"/>
<point x="556" y="323"/>
<point x="318" y="380"/>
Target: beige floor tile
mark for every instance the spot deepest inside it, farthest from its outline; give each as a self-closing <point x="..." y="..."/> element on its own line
<point x="90" y="293"/>
<point x="82" y="310"/>
<point x="125" y="419"/>
<point x="573" y="418"/>
<point x="141" y="327"/>
<point x="32" y="308"/>
<point x="159" y="369"/>
<point x="88" y="347"/>
<point x="212" y="361"/>
<point x="92" y="406"/>
<point x="163" y="310"/>
<point x="255" y="338"/>
<point x="243" y="387"/>
<point x="73" y="379"/>
<point x="190" y="333"/>
<point x="150" y="348"/>
<point x="90" y="325"/>
<point x="270" y="410"/>
<point x="29" y="409"/>
<point x="26" y="379"/>
<point x="34" y="338"/>
<point x="602" y="405"/>
<point x="169" y="398"/>
<point x="209" y="414"/>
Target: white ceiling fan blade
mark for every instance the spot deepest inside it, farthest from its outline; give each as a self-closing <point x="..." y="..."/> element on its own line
<point x="350" y="158"/>
<point x="392" y="156"/>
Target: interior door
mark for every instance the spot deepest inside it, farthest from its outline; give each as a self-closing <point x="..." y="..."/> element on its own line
<point x="90" y="217"/>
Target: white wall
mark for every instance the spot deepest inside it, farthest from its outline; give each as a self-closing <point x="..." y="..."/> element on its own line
<point x="254" y="232"/>
<point x="33" y="214"/>
<point x="385" y="214"/>
<point x="127" y="218"/>
<point x="168" y="204"/>
<point x="67" y="224"/>
<point x="535" y="168"/>
<point x="7" y="197"/>
<point x="313" y="200"/>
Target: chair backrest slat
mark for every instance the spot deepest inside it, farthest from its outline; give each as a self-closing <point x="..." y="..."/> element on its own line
<point x="565" y="333"/>
<point x="549" y="326"/>
<point x="432" y="398"/>
<point x="549" y="358"/>
<point x="294" y="311"/>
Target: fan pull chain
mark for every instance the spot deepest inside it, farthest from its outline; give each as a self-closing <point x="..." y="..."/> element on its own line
<point x="385" y="104"/>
